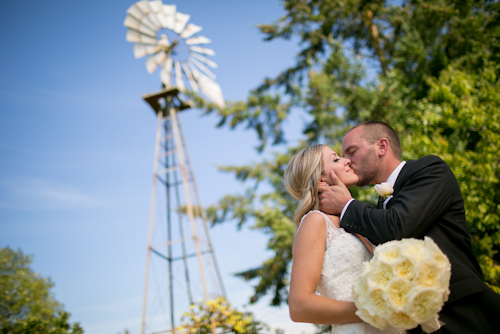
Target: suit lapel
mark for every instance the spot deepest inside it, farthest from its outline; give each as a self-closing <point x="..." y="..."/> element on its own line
<point x="405" y="172"/>
<point x="403" y="175"/>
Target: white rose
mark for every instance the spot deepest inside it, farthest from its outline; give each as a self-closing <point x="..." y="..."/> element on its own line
<point x="401" y="320"/>
<point x="375" y="321"/>
<point x="405" y="269"/>
<point x="415" y="249"/>
<point x="427" y="275"/>
<point x="376" y="303"/>
<point x="397" y="293"/>
<point x="405" y="284"/>
<point x="424" y="305"/>
<point x="381" y="274"/>
<point x="389" y="251"/>
<point x="384" y="189"/>
<point x="359" y="291"/>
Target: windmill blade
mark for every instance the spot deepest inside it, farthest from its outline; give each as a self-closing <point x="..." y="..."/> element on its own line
<point x="138" y="37"/>
<point x="180" y="22"/>
<point x="203" y="68"/>
<point x="204" y="60"/>
<point x="132" y="23"/>
<point x="178" y="76"/>
<point x="192" y="82"/>
<point x="148" y="13"/>
<point x="190" y="30"/>
<point x="155" y="60"/>
<point x="168" y="17"/>
<point x="144" y="19"/>
<point x="156" y="8"/>
<point x="198" y="40"/>
<point x="212" y="90"/>
<point x="139" y="11"/>
<point x="141" y="50"/>
<point x="136" y="12"/>
<point x="206" y="51"/>
<point x="208" y="86"/>
<point x="166" y="73"/>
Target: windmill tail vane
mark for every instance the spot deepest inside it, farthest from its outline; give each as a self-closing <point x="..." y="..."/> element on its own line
<point x="170" y="43"/>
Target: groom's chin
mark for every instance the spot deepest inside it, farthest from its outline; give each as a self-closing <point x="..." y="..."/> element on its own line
<point x="362" y="183"/>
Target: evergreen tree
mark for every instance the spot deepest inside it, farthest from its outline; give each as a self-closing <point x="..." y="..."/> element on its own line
<point x="428" y="68"/>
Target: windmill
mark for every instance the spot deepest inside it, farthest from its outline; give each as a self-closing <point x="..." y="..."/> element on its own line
<point x="180" y="260"/>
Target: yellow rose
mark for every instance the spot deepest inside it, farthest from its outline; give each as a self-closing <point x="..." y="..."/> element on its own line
<point x="424" y="305"/>
<point x="397" y="292"/>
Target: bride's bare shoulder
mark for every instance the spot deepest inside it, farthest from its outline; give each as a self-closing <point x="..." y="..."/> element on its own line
<point x="313" y="217"/>
<point x="335" y="220"/>
<point x="313" y="222"/>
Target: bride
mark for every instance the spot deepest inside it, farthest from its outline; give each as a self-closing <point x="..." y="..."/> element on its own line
<point x="326" y="258"/>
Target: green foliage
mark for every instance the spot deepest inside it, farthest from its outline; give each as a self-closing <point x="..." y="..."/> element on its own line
<point x="26" y="304"/>
<point x="428" y="68"/>
<point x="218" y="316"/>
<point x="54" y="325"/>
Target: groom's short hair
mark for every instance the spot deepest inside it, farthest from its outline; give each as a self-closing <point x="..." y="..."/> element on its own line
<point x="374" y="130"/>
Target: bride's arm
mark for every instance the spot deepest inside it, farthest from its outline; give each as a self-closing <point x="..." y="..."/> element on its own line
<point x="365" y="242"/>
<point x="308" y="253"/>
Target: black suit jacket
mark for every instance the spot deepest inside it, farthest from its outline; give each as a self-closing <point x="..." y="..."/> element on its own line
<point x="426" y="202"/>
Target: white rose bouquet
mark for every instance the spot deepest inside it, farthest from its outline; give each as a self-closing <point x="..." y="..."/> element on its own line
<point x="404" y="285"/>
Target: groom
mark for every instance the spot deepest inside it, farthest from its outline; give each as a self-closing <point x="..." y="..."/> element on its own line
<point x="426" y="202"/>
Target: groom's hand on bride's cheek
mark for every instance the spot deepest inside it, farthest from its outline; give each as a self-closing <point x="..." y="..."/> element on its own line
<point x="333" y="198"/>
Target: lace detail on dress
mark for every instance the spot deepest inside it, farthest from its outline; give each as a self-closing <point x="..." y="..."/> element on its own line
<point x="342" y="264"/>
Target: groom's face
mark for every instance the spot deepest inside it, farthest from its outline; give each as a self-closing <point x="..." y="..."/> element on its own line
<point x="364" y="158"/>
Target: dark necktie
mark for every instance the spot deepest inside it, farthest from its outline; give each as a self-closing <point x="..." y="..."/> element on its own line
<point x="380" y="204"/>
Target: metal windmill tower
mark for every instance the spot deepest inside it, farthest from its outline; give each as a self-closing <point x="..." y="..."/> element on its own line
<point x="180" y="263"/>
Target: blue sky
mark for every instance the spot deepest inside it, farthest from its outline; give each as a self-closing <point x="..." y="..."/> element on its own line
<point x="77" y="145"/>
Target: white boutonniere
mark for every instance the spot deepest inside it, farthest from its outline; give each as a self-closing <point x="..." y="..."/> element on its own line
<point x="384" y="189"/>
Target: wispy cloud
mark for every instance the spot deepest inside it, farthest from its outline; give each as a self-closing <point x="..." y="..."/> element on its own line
<point x="58" y="98"/>
<point x="43" y="194"/>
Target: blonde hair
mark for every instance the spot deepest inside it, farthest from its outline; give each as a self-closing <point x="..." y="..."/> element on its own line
<point x="301" y="178"/>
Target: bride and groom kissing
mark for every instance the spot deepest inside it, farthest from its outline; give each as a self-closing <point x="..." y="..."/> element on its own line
<point x="426" y="201"/>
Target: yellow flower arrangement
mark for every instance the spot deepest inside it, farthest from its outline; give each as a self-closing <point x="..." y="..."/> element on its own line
<point x="404" y="285"/>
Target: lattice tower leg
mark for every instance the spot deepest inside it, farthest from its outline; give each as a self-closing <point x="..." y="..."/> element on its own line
<point x="176" y="183"/>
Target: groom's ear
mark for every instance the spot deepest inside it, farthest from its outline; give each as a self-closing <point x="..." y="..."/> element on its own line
<point x="383" y="146"/>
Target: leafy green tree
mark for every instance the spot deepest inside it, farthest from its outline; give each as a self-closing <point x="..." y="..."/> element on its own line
<point x="430" y="68"/>
<point x="26" y="304"/>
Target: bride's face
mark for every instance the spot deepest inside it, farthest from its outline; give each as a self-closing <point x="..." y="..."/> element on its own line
<point x="341" y="167"/>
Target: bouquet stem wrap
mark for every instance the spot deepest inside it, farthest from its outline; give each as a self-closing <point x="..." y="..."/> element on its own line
<point x="405" y="284"/>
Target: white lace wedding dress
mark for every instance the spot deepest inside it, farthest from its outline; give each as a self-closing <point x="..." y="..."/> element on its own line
<point x="342" y="264"/>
